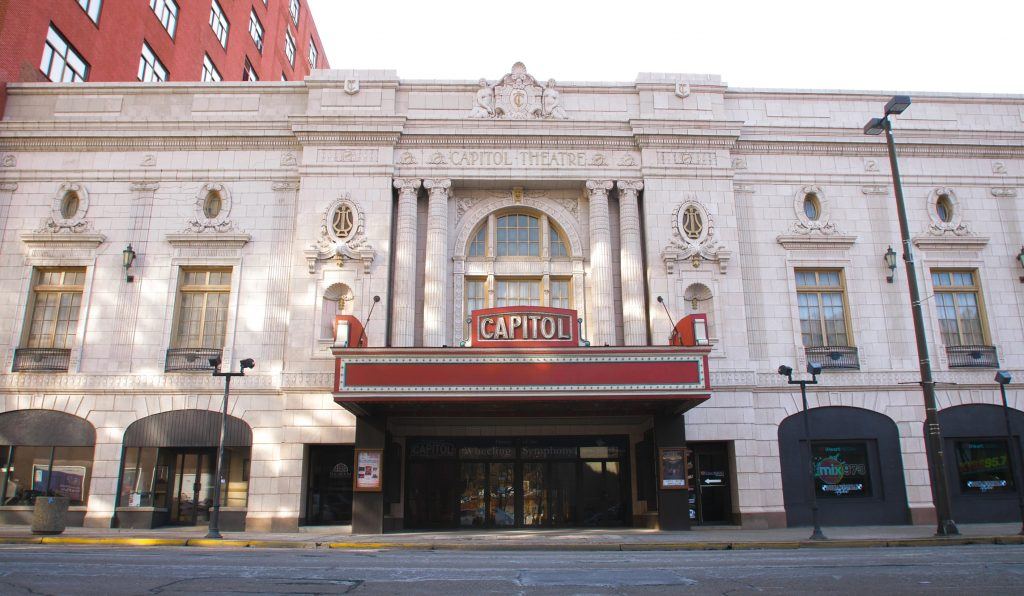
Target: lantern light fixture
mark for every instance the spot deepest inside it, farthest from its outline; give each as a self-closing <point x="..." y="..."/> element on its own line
<point x="127" y="258"/>
<point x="890" y="262"/>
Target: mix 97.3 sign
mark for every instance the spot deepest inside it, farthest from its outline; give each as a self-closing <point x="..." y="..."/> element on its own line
<point x="525" y="327"/>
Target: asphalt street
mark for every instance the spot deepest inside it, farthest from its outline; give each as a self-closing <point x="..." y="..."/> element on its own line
<point x="88" y="570"/>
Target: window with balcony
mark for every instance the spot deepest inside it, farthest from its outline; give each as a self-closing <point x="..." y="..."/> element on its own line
<point x="219" y="23"/>
<point x="201" y="320"/>
<point x="210" y="72"/>
<point x="166" y="12"/>
<point x="62" y="63"/>
<point x="256" y="30"/>
<point x="52" y="320"/>
<point x="824" y="326"/>
<point x="289" y="47"/>
<point x="91" y="8"/>
<point x="293" y="9"/>
<point x="313" y="54"/>
<point x="959" y="307"/>
<point x="151" y="70"/>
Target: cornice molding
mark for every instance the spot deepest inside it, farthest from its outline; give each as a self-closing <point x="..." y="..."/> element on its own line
<point x="146" y="143"/>
<point x="515" y="142"/>
<point x="860" y="148"/>
<point x="816" y="242"/>
<point x="229" y="240"/>
<point x="949" y="242"/>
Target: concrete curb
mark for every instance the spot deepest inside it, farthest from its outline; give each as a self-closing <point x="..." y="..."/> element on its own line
<point x="506" y="546"/>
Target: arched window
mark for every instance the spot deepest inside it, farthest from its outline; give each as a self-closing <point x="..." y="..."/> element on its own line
<point x="338" y="300"/>
<point x="478" y="245"/>
<point x="518" y="235"/>
<point x="557" y="244"/>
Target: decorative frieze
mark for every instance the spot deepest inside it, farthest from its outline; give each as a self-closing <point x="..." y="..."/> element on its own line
<point x="533" y="159"/>
<point x="687" y="159"/>
<point x="518" y="96"/>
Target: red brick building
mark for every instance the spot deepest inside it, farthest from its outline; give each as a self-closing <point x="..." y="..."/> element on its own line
<point x="155" y="40"/>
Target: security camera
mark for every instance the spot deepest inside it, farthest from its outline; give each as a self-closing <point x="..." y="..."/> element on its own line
<point x="813" y="368"/>
<point x="247" y="363"/>
<point x="215" y="362"/>
<point x="786" y="371"/>
<point x="1003" y="377"/>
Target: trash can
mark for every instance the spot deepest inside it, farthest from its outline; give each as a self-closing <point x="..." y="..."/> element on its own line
<point x="50" y="516"/>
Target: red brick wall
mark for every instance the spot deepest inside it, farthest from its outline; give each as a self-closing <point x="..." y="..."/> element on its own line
<point x="112" y="47"/>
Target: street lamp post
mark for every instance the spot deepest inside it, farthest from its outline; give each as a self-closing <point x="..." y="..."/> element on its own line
<point x="933" y="442"/>
<point x="1004" y="378"/>
<point x="814" y="369"/>
<point x="214" y="531"/>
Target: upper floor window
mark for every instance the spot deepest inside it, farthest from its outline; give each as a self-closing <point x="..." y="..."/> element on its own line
<point x="517" y="235"/>
<point x="478" y="245"/>
<point x="167" y="12"/>
<point x="313" y="54"/>
<point x="249" y="74"/>
<point x="289" y="47"/>
<point x="559" y="293"/>
<point x="219" y="23"/>
<point x="202" y="308"/>
<point x="91" y="8"/>
<point x="958" y="301"/>
<point x="151" y="70"/>
<point x="293" y="8"/>
<point x="476" y="295"/>
<point x="61" y="63"/>
<point x="821" y="302"/>
<point x="210" y="72"/>
<point x="556" y="243"/>
<point x="517" y="292"/>
<point x="57" y="299"/>
<point x="256" y="30"/>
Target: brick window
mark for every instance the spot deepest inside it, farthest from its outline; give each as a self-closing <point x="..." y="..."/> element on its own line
<point x="166" y="12"/>
<point x="822" y="304"/>
<point x="293" y="9"/>
<point x="219" y="23"/>
<point x="202" y="308"/>
<point x="289" y="47"/>
<point x="958" y="302"/>
<point x="61" y="63"/>
<point x="210" y="72"/>
<point x="151" y="70"/>
<point x="256" y="30"/>
<point x="91" y="8"/>
<point x="249" y="74"/>
<point x="313" y="54"/>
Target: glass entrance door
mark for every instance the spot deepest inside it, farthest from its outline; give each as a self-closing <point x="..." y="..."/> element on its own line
<point x="502" y="507"/>
<point x="192" y="496"/>
<point x="602" y="494"/>
<point x="329" y="492"/>
<point x="713" y="494"/>
<point x="488" y="495"/>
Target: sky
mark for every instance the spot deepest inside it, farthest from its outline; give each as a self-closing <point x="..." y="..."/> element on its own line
<point x="974" y="46"/>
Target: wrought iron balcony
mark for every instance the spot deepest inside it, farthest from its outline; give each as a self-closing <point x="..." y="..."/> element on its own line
<point x="190" y="359"/>
<point x="833" y="356"/>
<point x="972" y="357"/>
<point x="41" y="360"/>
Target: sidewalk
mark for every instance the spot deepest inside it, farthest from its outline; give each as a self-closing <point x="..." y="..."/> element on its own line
<point x="718" y="538"/>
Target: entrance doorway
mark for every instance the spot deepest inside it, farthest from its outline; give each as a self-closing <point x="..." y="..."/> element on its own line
<point x="329" y="485"/>
<point x="508" y="483"/>
<point x="192" y="495"/>
<point x="711" y="497"/>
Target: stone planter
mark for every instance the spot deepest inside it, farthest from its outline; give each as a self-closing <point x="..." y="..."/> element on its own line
<point x="50" y="515"/>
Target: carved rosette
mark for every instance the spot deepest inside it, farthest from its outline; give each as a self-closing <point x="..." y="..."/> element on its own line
<point x="691" y="241"/>
<point x="343" y="242"/>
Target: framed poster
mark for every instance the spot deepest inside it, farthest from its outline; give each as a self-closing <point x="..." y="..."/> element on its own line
<point x="672" y="468"/>
<point x="368" y="470"/>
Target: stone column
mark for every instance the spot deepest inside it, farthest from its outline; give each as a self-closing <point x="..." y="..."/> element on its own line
<point x="435" y="283"/>
<point x="602" y="323"/>
<point x="125" y="341"/>
<point x="403" y="298"/>
<point x="634" y="324"/>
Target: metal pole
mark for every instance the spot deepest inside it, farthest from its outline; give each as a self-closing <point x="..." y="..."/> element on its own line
<point x="933" y="440"/>
<point x="1014" y="466"/>
<point x="816" y="534"/>
<point x="214" y="532"/>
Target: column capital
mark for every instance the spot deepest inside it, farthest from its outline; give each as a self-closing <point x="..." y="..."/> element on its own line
<point x="439" y="185"/>
<point x="599" y="186"/>
<point x="407" y="185"/>
<point x="631" y="186"/>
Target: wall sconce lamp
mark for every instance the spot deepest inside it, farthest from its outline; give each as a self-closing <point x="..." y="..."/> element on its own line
<point x="890" y="262"/>
<point x="1020" y="259"/>
<point x="127" y="258"/>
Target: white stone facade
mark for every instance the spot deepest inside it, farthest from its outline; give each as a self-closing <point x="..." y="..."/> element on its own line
<point x="612" y="165"/>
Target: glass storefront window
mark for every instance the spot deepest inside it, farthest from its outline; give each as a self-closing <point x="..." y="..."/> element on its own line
<point x="983" y="466"/>
<point x="30" y="472"/>
<point x="841" y="470"/>
<point x="155" y="477"/>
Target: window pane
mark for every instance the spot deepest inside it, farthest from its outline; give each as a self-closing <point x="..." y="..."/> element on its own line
<point x="806" y="279"/>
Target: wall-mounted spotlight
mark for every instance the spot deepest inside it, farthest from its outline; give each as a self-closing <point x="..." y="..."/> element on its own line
<point x="127" y="258"/>
<point x="1020" y="259"/>
<point x="890" y="262"/>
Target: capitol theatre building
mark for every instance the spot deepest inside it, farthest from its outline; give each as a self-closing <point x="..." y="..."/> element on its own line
<point x="511" y="303"/>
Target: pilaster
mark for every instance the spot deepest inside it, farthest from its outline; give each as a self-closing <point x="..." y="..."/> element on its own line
<point x="634" y="328"/>
<point x="403" y="315"/>
<point x="603" y="326"/>
<point x="435" y="299"/>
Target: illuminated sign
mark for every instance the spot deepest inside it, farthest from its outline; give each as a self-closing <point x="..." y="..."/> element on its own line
<point x="525" y="326"/>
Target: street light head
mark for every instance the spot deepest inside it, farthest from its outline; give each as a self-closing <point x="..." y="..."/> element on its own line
<point x="814" y="368"/>
<point x="897" y="104"/>
<point x="875" y="126"/>
<point x="247" y="363"/>
<point x="1003" y="377"/>
<point x="215" y="362"/>
<point x="786" y="371"/>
